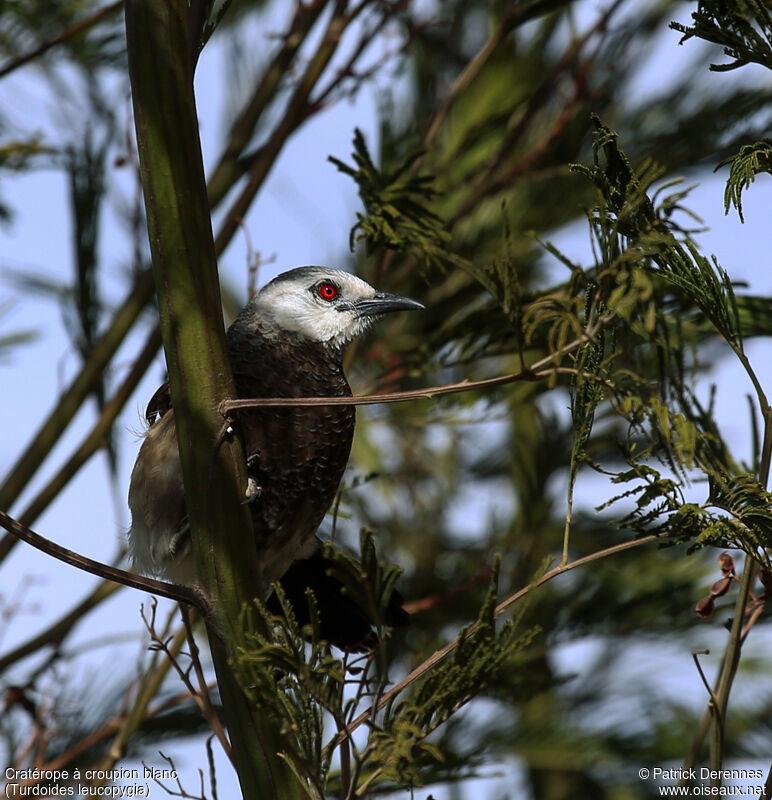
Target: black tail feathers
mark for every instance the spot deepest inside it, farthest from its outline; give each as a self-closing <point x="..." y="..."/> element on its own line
<point x="342" y="621"/>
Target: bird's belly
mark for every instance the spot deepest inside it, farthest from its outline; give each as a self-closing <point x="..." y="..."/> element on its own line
<point x="298" y="481"/>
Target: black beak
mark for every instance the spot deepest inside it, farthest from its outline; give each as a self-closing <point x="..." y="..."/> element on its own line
<point x="385" y="303"/>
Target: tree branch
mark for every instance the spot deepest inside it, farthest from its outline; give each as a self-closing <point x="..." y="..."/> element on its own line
<point x="161" y="588"/>
<point x="92" y="442"/>
<point x="444" y="652"/>
<point x="535" y="372"/>
<point x="71" y="400"/>
<point x="68" y="33"/>
<point x="200" y="378"/>
<point x="201" y="697"/>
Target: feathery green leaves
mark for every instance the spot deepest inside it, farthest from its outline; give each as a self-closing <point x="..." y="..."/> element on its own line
<point x="396" y="202"/>
<point x="400" y="748"/>
<point x="750" y="161"/>
<point x="742" y="27"/>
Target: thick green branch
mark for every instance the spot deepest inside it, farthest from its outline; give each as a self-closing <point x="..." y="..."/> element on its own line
<point x="189" y="302"/>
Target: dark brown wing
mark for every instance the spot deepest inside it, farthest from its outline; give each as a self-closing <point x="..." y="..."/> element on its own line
<point x="297" y="454"/>
<point x="159" y="404"/>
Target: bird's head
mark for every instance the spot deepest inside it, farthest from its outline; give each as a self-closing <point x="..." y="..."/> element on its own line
<point x="323" y="305"/>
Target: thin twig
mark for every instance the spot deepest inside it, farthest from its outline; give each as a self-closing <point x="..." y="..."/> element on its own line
<point x="207" y="708"/>
<point x="430" y="393"/>
<point x="535" y="372"/>
<point x="758" y="607"/>
<point x="212" y="771"/>
<point x="162" y="588"/>
<point x="714" y="705"/>
<point x="441" y="654"/>
<point x="201" y="698"/>
<point x="181" y="791"/>
<point x="67" y="33"/>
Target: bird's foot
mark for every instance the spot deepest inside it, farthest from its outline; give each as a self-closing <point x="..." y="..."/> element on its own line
<point x="254" y="489"/>
<point x="180" y="538"/>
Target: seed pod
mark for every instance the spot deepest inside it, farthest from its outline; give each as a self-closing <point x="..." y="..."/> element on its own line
<point x="720" y="587"/>
<point x="705" y="607"/>
<point x="726" y="564"/>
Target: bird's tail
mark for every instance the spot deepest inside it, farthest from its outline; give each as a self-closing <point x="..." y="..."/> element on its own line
<point x="342" y="621"/>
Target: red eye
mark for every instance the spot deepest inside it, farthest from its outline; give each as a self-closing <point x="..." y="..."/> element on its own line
<point x="328" y="291"/>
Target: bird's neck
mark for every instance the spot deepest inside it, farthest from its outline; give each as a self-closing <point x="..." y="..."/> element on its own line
<point x="272" y="362"/>
<point x="269" y="338"/>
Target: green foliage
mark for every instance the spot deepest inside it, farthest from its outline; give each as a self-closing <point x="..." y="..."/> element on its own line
<point x="752" y="160"/>
<point x="292" y="684"/>
<point x="622" y="189"/>
<point x="587" y="390"/>
<point x="400" y="746"/>
<point x="294" y="677"/>
<point x="669" y="425"/>
<point x="660" y="508"/>
<point x="368" y="582"/>
<point x="631" y="227"/>
<point x="395" y="201"/>
<point x="742" y="27"/>
<point x="750" y="507"/>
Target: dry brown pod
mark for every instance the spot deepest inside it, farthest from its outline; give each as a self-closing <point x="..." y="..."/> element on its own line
<point x="726" y="564"/>
<point x="705" y="607"/>
<point x="720" y="587"/>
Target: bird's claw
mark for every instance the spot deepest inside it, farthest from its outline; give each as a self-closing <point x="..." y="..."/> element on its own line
<point x="254" y="490"/>
<point x="181" y="538"/>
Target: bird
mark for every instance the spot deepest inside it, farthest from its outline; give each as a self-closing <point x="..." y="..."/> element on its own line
<point x="288" y="341"/>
